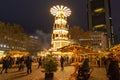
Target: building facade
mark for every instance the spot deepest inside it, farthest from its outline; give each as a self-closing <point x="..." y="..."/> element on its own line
<point x="99" y="18"/>
<point x="98" y="41"/>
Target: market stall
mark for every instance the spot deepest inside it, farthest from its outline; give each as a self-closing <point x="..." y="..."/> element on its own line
<point x="15" y="53"/>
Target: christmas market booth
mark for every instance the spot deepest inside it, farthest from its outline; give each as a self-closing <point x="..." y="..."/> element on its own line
<point x="15" y="53"/>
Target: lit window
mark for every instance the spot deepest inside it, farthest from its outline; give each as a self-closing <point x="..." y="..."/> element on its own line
<point x="12" y="47"/>
<point x="1" y="45"/>
<point x="4" y="45"/>
<point x="7" y="46"/>
<point x="99" y="10"/>
<point x="99" y="26"/>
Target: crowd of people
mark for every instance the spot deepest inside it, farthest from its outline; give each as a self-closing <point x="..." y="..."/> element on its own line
<point x="21" y="62"/>
<point x="26" y="62"/>
<point x="110" y="62"/>
<point x="6" y="63"/>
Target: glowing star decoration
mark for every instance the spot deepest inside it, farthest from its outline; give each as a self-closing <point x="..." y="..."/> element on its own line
<point x="60" y="11"/>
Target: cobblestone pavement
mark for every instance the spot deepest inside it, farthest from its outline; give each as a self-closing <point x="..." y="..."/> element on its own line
<point x="98" y="74"/>
<point x="37" y="74"/>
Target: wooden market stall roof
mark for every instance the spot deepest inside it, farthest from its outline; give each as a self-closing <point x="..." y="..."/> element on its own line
<point x="71" y="48"/>
<point x="115" y="49"/>
<point x="15" y="52"/>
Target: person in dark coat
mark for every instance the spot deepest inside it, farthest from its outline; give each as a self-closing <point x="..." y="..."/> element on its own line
<point x="21" y="63"/>
<point x="5" y="64"/>
<point x="29" y="64"/>
<point x="39" y="62"/>
<point x="62" y="63"/>
<point x="98" y="61"/>
<point x="84" y="70"/>
<point x="113" y="70"/>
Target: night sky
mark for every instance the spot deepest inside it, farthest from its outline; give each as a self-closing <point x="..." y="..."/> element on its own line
<point x="35" y="15"/>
